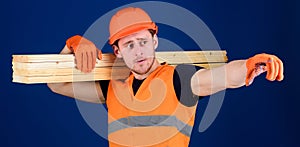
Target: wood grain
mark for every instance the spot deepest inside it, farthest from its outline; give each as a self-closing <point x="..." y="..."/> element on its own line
<point x="53" y="68"/>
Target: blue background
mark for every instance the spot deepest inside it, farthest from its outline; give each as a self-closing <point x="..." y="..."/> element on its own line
<point x="264" y="114"/>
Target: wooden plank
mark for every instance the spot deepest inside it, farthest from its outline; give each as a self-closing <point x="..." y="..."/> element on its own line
<point x="52" y="68"/>
<point x="59" y="65"/>
<point x="54" y="58"/>
<point x="108" y="57"/>
<point x="210" y="65"/>
<point x="121" y="73"/>
<point x="68" y="71"/>
<point x="101" y="63"/>
<point x="43" y="58"/>
<point x="65" y="78"/>
<point x="74" y="71"/>
<point x="191" y="53"/>
<point x="180" y="57"/>
<point x="67" y="61"/>
<point x="191" y="60"/>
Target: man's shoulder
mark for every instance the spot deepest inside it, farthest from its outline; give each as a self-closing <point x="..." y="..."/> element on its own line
<point x="166" y="67"/>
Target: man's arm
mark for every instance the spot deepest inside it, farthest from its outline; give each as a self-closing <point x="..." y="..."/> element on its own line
<point x="86" y="91"/>
<point x="236" y="74"/>
<point x="208" y="81"/>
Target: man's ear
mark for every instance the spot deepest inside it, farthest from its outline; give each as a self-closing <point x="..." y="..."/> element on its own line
<point x="117" y="51"/>
<point x="155" y="41"/>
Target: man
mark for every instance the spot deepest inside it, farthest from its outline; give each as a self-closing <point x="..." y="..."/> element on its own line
<point x="155" y="105"/>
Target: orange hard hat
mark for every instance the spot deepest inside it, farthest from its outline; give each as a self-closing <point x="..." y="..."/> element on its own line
<point x="127" y="21"/>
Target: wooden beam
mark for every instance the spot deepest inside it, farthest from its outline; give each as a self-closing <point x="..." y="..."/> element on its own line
<point x="52" y="68"/>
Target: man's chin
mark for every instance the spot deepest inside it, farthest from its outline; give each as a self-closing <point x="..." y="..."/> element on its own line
<point x="143" y="69"/>
<point x="140" y="72"/>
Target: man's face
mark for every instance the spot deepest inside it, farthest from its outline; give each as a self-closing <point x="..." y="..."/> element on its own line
<point x="138" y="51"/>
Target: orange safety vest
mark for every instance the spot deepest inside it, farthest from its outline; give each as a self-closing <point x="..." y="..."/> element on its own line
<point x="152" y="117"/>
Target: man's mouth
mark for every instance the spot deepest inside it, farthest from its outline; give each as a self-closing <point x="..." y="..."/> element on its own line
<point x="140" y="60"/>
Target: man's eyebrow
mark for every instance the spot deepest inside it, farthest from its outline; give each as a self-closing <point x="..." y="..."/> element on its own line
<point x="124" y="44"/>
<point x="130" y="41"/>
<point x="142" y="38"/>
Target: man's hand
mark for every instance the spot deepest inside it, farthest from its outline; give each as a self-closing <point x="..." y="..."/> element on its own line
<point x="85" y="52"/>
<point x="261" y="63"/>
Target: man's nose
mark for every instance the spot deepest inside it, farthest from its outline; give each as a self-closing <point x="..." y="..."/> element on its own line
<point x="138" y="51"/>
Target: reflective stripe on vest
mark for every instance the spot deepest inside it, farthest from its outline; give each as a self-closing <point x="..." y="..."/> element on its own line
<point x="150" y="121"/>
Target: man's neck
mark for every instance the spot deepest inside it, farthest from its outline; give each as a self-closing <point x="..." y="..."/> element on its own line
<point x="143" y="76"/>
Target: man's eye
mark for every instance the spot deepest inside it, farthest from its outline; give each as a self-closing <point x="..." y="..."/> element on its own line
<point x="131" y="46"/>
<point x="143" y="42"/>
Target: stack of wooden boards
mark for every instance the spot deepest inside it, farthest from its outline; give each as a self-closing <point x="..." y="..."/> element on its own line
<point x="53" y="68"/>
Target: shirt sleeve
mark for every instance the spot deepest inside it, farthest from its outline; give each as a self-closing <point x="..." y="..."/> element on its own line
<point x="104" y="87"/>
<point x="182" y="84"/>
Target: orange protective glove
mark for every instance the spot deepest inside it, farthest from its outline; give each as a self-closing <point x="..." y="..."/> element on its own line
<point x="85" y="52"/>
<point x="261" y="63"/>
